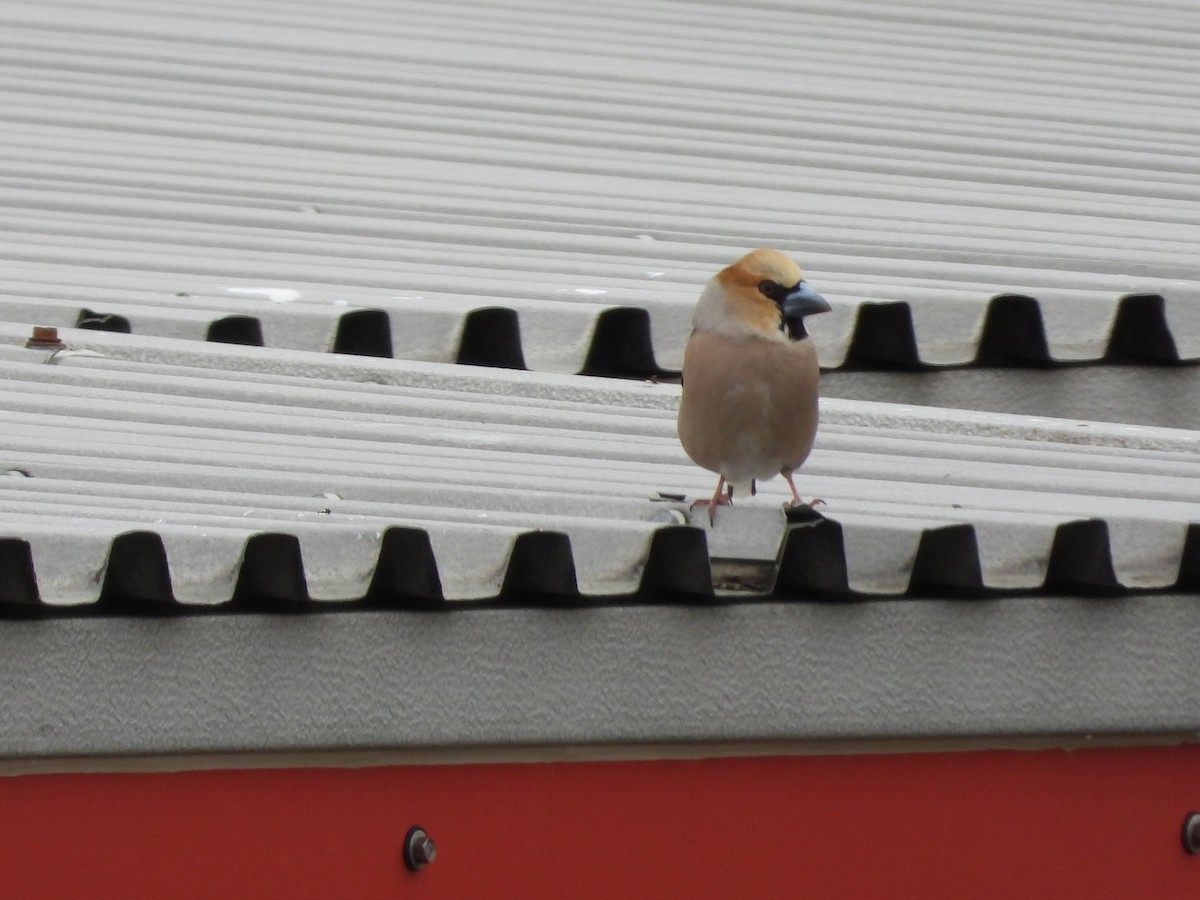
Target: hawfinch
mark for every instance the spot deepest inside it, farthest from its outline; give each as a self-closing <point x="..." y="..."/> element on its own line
<point x="750" y="375"/>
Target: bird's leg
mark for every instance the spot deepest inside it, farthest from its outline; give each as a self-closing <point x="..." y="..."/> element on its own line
<point x="796" y="498"/>
<point x="722" y="496"/>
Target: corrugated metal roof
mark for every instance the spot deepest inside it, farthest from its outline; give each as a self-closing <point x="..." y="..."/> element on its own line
<point x="396" y="179"/>
<point x="156" y="469"/>
<point x="548" y="188"/>
<point x="547" y="185"/>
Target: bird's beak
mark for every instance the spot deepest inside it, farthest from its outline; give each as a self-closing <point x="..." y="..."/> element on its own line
<point x="803" y="301"/>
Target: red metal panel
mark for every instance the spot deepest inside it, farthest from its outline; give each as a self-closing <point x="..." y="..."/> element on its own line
<point x="1054" y="824"/>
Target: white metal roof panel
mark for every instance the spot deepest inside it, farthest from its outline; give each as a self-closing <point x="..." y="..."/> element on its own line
<point x="557" y="161"/>
<point x="125" y="434"/>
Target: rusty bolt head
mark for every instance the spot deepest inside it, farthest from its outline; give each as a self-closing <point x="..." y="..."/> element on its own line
<point x="45" y="338"/>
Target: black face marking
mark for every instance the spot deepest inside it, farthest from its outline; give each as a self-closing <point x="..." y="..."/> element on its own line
<point x="774" y="291"/>
<point x="777" y="293"/>
<point x="794" y="325"/>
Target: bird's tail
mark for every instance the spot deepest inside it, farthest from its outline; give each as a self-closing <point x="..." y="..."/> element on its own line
<point x="741" y="489"/>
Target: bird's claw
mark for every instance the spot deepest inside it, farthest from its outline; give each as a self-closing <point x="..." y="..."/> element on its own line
<point x="717" y="500"/>
<point x="803" y="512"/>
<point x="801" y="503"/>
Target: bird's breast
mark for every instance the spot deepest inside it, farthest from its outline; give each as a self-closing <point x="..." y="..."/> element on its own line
<point x="749" y="407"/>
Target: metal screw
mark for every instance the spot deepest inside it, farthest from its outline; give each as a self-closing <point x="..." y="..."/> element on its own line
<point x="45" y="338"/>
<point x="419" y="849"/>
<point x="1191" y="833"/>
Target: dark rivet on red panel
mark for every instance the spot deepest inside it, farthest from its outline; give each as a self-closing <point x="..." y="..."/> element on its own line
<point x="18" y="581"/>
<point x="96" y="321"/>
<point x="271" y="573"/>
<point x="541" y="566"/>
<point x="813" y="560"/>
<point x="364" y="332"/>
<point x="1191" y="833"/>
<point x="245" y="330"/>
<point x="883" y="339"/>
<point x="419" y="849"/>
<point x="406" y="573"/>
<point x="491" y="337"/>
<point x="677" y="565"/>
<point x="1140" y="333"/>
<point x="947" y="562"/>
<point x="1013" y="334"/>
<point x="137" y="574"/>
<point x="44" y="338"/>
<point x="621" y="346"/>
<point x="1081" y="559"/>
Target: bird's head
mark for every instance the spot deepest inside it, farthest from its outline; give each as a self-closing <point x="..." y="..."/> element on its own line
<point x="764" y="292"/>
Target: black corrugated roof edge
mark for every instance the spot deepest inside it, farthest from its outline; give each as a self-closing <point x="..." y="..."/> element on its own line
<point x="811" y="566"/>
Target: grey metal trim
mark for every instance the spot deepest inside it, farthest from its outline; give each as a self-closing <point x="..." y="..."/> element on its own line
<point x="902" y="669"/>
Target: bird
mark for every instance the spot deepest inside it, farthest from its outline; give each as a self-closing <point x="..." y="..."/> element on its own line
<point x="749" y="406"/>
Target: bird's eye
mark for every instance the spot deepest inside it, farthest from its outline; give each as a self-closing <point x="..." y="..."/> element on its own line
<point x="769" y="289"/>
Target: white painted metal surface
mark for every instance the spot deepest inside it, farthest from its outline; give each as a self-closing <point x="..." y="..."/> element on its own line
<point x="210" y="445"/>
<point x="177" y="164"/>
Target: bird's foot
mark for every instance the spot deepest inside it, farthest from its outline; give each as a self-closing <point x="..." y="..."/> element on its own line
<point x="797" y="500"/>
<point x="803" y="512"/>
<point x="717" y="500"/>
<point x="722" y="496"/>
